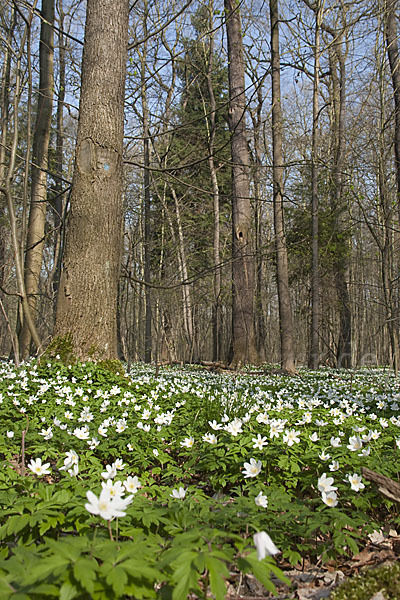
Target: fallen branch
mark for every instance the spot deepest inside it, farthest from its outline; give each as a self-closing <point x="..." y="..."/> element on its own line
<point x="387" y="487"/>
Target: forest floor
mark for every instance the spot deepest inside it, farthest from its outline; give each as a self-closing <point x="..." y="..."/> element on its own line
<point x="208" y="462"/>
<point x="316" y="582"/>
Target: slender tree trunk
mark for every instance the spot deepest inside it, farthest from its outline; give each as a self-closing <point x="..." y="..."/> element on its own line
<point x="385" y="216"/>
<point x="147" y="199"/>
<point x="339" y="205"/>
<point x="4" y="125"/>
<point x="59" y="202"/>
<point x="5" y="111"/>
<point x="315" y="280"/>
<point x="257" y="121"/>
<point x="243" y="334"/>
<point x="41" y="139"/>
<point x="391" y="35"/>
<point x="186" y="296"/>
<point x="216" y="314"/>
<point x="87" y="299"/>
<point x="393" y="55"/>
<point x="7" y="191"/>
<point x="285" y="309"/>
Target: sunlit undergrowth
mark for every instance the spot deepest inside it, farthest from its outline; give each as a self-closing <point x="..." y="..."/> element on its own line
<point x="196" y="463"/>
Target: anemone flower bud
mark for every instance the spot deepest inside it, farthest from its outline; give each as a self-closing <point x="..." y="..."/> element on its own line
<point x="264" y="545"/>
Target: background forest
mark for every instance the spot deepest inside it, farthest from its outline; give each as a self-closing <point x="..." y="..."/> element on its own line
<point x="326" y="93"/>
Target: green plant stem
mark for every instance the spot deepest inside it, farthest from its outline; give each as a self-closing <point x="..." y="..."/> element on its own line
<point x="24" y="432"/>
<point x="110" y="531"/>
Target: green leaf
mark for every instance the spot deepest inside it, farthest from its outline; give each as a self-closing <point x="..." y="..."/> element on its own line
<point x="5" y="589"/>
<point x="262" y="573"/>
<point x="68" y="591"/>
<point x="117" y="578"/>
<point x="218" y="571"/>
<point x="185" y="575"/>
<point x="44" y="569"/>
<point x="140" y="570"/>
<point x="46" y="589"/>
<point x="16" y="523"/>
<point x="85" y="572"/>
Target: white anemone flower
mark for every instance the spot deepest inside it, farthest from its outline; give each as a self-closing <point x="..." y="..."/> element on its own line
<point x="365" y="451"/>
<point x="180" y="493"/>
<point x="324" y="455"/>
<point x="261" y="500"/>
<point x="116" y="488"/>
<point x="355" y="443"/>
<point x="105" y="506"/>
<point x="259" y="442"/>
<point x="36" y="467"/>
<point x="336" y="442"/>
<point x="110" y="472"/>
<point x="355" y="482"/>
<point x="334" y="466"/>
<point x="253" y="468"/>
<point x="119" y="464"/>
<point x="71" y="458"/>
<point x="264" y="545"/>
<point x="132" y="484"/>
<point x="234" y="427"/>
<point x="93" y="443"/>
<point x="291" y="436"/>
<point x="329" y="498"/>
<point x="73" y="472"/>
<point x="81" y="433"/>
<point x="325" y="484"/>
<point x="188" y="442"/>
<point x="102" y="431"/>
<point x="215" y="425"/>
<point x="210" y="438"/>
<point x="47" y="433"/>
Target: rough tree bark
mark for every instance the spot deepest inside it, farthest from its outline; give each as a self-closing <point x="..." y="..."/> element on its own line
<point x="4" y="134"/>
<point x="285" y="309"/>
<point x="243" y="331"/>
<point x="146" y="194"/>
<point x="339" y="202"/>
<point x="313" y="361"/>
<point x="392" y="45"/>
<point x="59" y="201"/>
<point x="38" y="207"/>
<point x="394" y="62"/>
<point x="87" y="299"/>
<point x="211" y="128"/>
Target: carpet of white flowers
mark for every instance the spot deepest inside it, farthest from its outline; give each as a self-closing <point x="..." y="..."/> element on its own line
<point x="138" y="485"/>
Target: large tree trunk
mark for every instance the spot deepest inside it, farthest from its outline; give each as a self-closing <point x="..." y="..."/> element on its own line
<point x="87" y="298"/>
<point x="243" y="333"/>
<point x="37" y="214"/>
<point x="285" y="309"/>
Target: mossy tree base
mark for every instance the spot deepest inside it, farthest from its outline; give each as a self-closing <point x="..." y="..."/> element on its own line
<point x="63" y="349"/>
